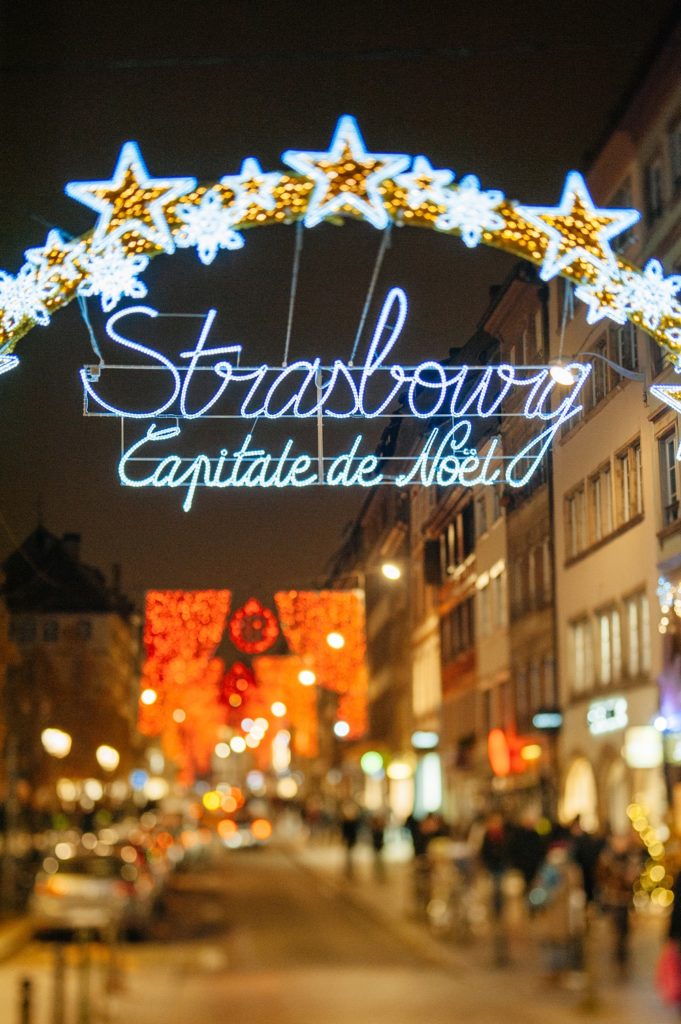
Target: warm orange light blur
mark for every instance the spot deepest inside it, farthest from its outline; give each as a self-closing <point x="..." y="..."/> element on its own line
<point x="261" y="829"/>
<point x="229" y="804"/>
<point x="227" y="827"/>
<point x="182" y="630"/>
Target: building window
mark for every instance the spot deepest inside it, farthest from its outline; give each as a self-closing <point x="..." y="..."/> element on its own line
<point x="457" y="630"/>
<point x="23" y="630"/>
<point x="496" y="504"/>
<point x="83" y="629"/>
<point x="624" y="346"/>
<point x="623" y="200"/>
<point x="546" y="571"/>
<point x="481" y="515"/>
<point x="581" y="656"/>
<point x="600" y="505"/>
<point x="522" y="707"/>
<point x="609" y="646"/>
<point x="50" y="631"/>
<point x="652" y="183"/>
<point x="637" y="624"/>
<point x="629" y="483"/>
<point x="575" y="522"/>
<point x="550" y="690"/>
<point x="669" y="480"/>
<point x="535" y="686"/>
<point x="498" y="586"/>
<point x="484" y="610"/>
<point x="600" y="377"/>
<point x="656" y="357"/>
<point x="532" y="578"/>
<point x="675" y="154"/>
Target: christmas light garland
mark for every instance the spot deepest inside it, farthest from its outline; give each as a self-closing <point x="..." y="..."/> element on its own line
<point x="140" y="217"/>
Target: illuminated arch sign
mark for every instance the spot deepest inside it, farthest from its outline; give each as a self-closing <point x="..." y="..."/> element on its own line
<point x="140" y="216"/>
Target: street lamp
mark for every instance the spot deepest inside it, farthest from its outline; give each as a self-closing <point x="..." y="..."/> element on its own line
<point x="561" y="370"/>
<point x="56" y="742"/>
<point x="108" y="757"/>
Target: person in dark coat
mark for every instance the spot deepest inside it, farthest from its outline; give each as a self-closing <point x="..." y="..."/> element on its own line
<point x="526" y="850"/>
<point x="494" y="858"/>
<point x="349" y="828"/>
<point x="585" y="851"/>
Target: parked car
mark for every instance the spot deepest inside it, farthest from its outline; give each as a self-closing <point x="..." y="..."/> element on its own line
<point x="94" y="893"/>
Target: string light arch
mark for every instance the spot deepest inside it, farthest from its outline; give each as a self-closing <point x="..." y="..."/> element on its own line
<point x="141" y="217"/>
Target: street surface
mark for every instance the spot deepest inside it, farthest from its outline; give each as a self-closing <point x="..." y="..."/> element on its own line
<point x="258" y="937"/>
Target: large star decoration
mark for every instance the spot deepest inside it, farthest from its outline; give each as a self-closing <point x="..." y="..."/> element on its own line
<point x="576" y="229"/>
<point x="131" y="200"/>
<point x="347" y="178"/>
<point x="251" y="186"/>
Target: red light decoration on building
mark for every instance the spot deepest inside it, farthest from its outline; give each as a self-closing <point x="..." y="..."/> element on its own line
<point x="253" y="628"/>
<point x="278" y="680"/>
<point x="307" y="618"/>
<point x="182" y="630"/>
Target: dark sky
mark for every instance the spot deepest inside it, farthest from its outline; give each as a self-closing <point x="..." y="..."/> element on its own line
<point x="517" y="93"/>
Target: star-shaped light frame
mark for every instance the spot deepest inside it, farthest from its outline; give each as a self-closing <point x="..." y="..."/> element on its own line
<point x="131" y="200"/>
<point x="141" y="216"/>
<point x="424" y="184"/>
<point x="251" y="186"/>
<point x="577" y="230"/>
<point x="347" y="176"/>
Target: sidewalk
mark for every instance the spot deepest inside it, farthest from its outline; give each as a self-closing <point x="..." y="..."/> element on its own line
<point x="390" y="901"/>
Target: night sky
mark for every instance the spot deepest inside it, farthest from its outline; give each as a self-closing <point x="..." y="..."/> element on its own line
<point x="517" y="93"/>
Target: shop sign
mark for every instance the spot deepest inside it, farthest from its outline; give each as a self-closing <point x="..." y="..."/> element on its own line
<point x="607" y="715"/>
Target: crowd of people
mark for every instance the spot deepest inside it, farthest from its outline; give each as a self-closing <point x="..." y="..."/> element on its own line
<point x="568" y="876"/>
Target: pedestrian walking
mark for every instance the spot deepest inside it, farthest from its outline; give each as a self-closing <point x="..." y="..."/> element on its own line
<point x="349" y="827"/>
<point x="526" y="848"/>
<point x="558" y="899"/>
<point x="377" y="829"/>
<point x="494" y="858"/>
<point x="617" y="868"/>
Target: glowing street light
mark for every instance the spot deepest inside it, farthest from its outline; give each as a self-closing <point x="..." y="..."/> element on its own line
<point x="148" y="697"/>
<point x="335" y="640"/>
<point x="341" y="729"/>
<point x="108" y="757"/>
<point x="391" y="571"/>
<point x="56" y="742"/>
<point x="278" y="709"/>
<point x="306" y="677"/>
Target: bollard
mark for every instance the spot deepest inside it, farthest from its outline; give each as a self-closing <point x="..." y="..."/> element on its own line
<point x="26" y="993"/>
<point x="58" y="986"/>
<point x="84" y="980"/>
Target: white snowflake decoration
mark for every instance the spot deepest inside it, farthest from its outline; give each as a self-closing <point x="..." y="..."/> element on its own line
<point x="652" y="294"/>
<point x="112" y="273"/>
<point x="209" y="225"/>
<point x="472" y="211"/>
<point x="51" y="277"/>
<point x="648" y="293"/>
<point x="21" y="298"/>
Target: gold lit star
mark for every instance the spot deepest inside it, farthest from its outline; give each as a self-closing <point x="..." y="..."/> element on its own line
<point x="576" y="229"/>
<point x="347" y="177"/>
<point x="131" y="200"/>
